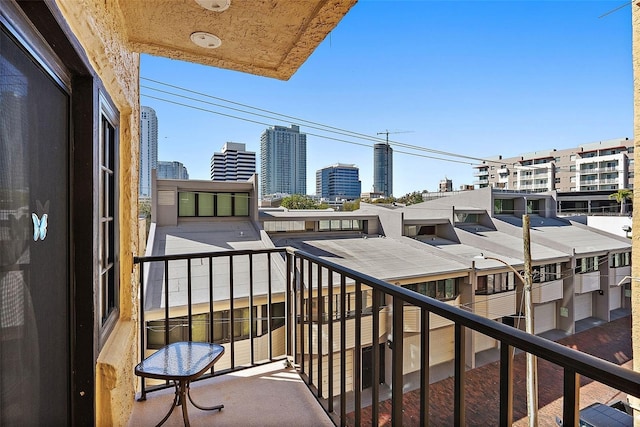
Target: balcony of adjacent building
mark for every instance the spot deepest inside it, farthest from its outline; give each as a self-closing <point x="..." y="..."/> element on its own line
<point x="323" y="350"/>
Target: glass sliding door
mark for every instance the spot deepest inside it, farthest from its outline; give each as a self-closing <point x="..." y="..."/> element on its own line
<point x="34" y="241"/>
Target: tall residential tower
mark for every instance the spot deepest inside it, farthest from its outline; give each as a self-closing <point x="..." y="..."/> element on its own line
<point x="283" y="161"/>
<point x="234" y="163"/>
<point x="148" y="149"/>
<point x="383" y="169"/>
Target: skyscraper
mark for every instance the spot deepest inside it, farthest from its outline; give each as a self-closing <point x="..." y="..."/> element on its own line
<point x="283" y="161"/>
<point x="338" y="181"/>
<point x="172" y="170"/>
<point x="234" y="163"/>
<point x="383" y="169"/>
<point x="148" y="149"/>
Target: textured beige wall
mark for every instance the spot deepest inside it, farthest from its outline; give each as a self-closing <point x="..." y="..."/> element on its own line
<point x="98" y="27"/>
<point x="635" y="295"/>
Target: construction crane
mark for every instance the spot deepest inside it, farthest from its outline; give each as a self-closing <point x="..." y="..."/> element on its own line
<point x="386" y="132"/>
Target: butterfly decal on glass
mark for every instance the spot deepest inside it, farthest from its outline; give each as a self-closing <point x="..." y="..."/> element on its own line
<point x="40" y="223"/>
<point x="39" y="227"/>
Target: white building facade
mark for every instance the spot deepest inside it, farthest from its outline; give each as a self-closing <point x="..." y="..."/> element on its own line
<point x="234" y="163"/>
<point x="603" y="165"/>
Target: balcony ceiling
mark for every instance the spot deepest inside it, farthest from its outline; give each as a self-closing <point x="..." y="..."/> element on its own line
<point x="265" y="37"/>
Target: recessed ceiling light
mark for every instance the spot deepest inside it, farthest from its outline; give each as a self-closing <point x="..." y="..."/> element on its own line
<point x="215" y="5"/>
<point x="206" y="40"/>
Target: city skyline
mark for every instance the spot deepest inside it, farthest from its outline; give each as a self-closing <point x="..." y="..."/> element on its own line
<point x="478" y="79"/>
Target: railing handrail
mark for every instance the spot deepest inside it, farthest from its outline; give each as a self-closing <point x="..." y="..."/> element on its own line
<point x="210" y="254"/>
<point x="590" y="366"/>
<point x="605" y="372"/>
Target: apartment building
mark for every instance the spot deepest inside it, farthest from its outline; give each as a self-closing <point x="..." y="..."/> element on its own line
<point x="383" y="169"/>
<point x="148" y="148"/>
<point x="462" y="250"/>
<point x="599" y="166"/>
<point x="283" y="161"/>
<point x="233" y="163"/>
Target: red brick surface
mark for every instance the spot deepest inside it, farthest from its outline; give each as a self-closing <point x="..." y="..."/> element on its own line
<point x="610" y="341"/>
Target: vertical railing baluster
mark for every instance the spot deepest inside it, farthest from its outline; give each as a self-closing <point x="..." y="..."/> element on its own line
<point x="357" y="362"/>
<point x="506" y="384"/>
<point x="211" y="335"/>
<point x="302" y="316"/>
<point x="330" y="340"/>
<point x="269" y="302"/>
<point x="425" y="348"/>
<point x="290" y="298"/>
<point x="397" y="361"/>
<point x="375" y="339"/>
<point x="459" y="376"/>
<point x="343" y="351"/>
<point x="320" y="324"/>
<point x="143" y="330"/>
<point x="310" y="317"/>
<point x="571" y="401"/>
<point x="251" y="317"/>
<point x="231" y="314"/>
<point x="189" y="303"/>
<point x="166" y="302"/>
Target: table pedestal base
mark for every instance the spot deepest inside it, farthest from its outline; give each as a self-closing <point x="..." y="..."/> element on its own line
<point x="183" y="392"/>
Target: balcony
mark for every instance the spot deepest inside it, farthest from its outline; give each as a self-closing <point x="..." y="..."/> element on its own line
<point x="339" y="330"/>
<point x="546" y="291"/>
<point x="587" y="282"/>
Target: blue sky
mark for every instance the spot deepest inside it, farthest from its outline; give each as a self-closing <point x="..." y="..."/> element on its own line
<point x="475" y="78"/>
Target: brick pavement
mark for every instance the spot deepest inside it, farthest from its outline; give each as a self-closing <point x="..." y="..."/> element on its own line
<point x="610" y="341"/>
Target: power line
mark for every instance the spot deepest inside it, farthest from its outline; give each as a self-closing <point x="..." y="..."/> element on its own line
<point x="312" y="124"/>
<point x="308" y="133"/>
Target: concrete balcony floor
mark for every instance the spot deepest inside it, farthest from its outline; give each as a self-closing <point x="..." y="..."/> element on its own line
<point x="268" y="395"/>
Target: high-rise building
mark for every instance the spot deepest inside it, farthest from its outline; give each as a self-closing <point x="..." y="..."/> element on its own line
<point x="338" y="181"/>
<point x="383" y="169"/>
<point x="446" y="185"/>
<point x="599" y="166"/>
<point x="148" y="149"/>
<point x="234" y="163"/>
<point x="283" y="161"/>
<point x="172" y="170"/>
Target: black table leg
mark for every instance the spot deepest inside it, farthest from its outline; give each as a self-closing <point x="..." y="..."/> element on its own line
<point x="204" y="408"/>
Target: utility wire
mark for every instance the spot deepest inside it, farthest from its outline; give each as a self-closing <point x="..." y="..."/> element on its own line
<point x="309" y="123"/>
<point x="308" y="133"/>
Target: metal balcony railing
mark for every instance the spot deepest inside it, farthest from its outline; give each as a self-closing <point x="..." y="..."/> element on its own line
<point x="332" y="310"/>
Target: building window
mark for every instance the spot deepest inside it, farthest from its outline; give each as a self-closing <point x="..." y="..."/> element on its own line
<point x="443" y="290"/>
<point x="587" y="265"/>
<point x="546" y="273"/>
<point x="108" y="295"/>
<point x="467" y="218"/>
<point x="197" y="204"/>
<point x="621" y="260"/>
<point x="503" y="207"/>
<point x="340" y="225"/>
<point x="496" y="283"/>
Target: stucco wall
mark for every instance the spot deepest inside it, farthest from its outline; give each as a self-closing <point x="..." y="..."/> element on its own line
<point x="635" y="295"/>
<point x="98" y="27"/>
